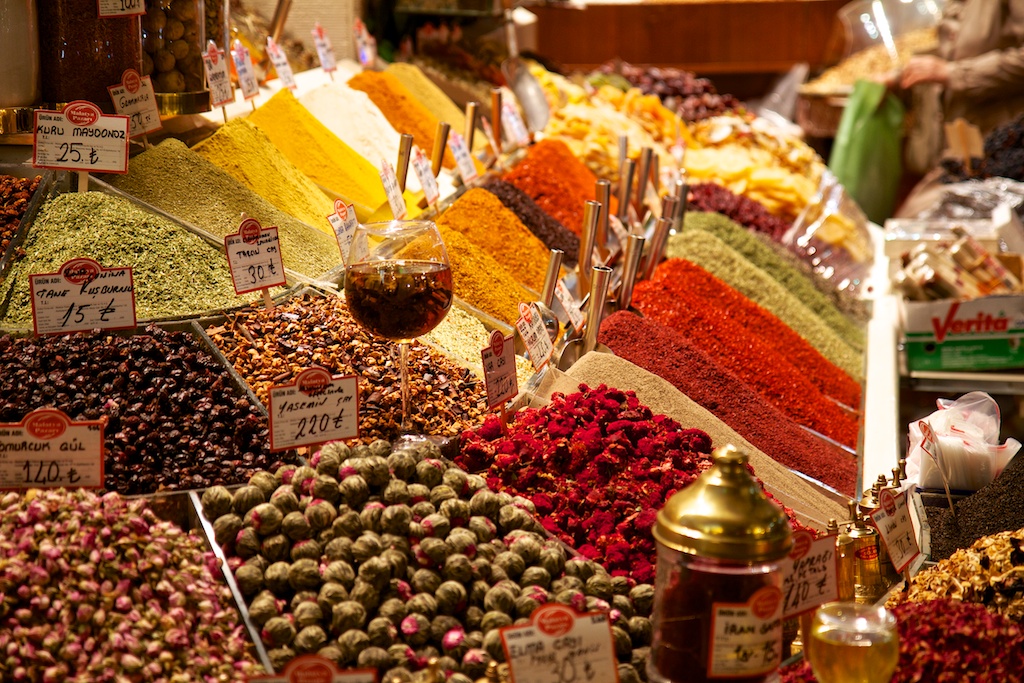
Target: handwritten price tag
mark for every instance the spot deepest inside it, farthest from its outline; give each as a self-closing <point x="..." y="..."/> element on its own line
<point x="499" y="361"/>
<point x="463" y="158"/>
<point x="254" y="256"/>
<point x="323" y="49"/>
<point x="559" y="645"/>
<point x="892" y="519"/>
<point x="421" y="166"/>
<point x="49" y="450"/>
<point x="531" y="328"/>
<point x="343" y="221"/>
<point x="280" y="61"/>
<point x="82" y="295"/>
<point x="366" y="45"/>
<point x="809" y="574"/>
<point x="217" y="76"/>
<point x="315" y="408"/>
<point x="120" y="8"/>
<point x="80" y="137"/>
<point x="746" y="637"/>
<point x="390" y="182"/>
<point x="135" y="99"/>
<point x="569" y="305"/>
<point x="513" y="123"/>
<point x="315" y="669"/>
<point x="246" y="74"/>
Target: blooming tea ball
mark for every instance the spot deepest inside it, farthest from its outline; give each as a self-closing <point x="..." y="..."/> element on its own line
<point x="341" y="572"/>
<point x="511" y="563"/>
<point x="246" y="498"/>
<point x="435" y="550"/>
<point x="306" y="550"/>
<point x="295" y="526"/>
<point x="302" y="480"/>
<point x="528" y="547"/>
<point x="263" y="608"/>
<point x="247" y="542"/>
<point x="249" y="579"/>
<point x="500" y="599"/>
<point x="376" y="472"/>
<point x="351" y="643"/>
<point x="394" y="610"/>
<point x="474" y="662"/>
<point x="457" y="567"/>
<point x="265" y="481"/>
<point x="415" y="629"/>
<point x="276" y="578"/>
<point x="627" y="674"/>
<point x="640" y="631"/>
<point x="326" y="488"/>
<point x="485" y="503"/>
<point x="307" y="613"/>
<point x="365" y="594"/>
<point x="580" y="567"/>
<point x="353" y="490"/>
<point x="348" y="524"/>
<point x="623" y="643"/>
<point x="493" y="646"/>
<point x="403" y="465"/>
<point x="535" y="576"/>
<point x="382" y="632"/>
<point x="494" y="620"/>
<point x="259" y="562"/>
<point x="441" y="493"/>
<point x="370" y="516"/>
<point x="418" y="493"/>
<point x="278" y="631"/>
<point x="339" y="548"/>
<point x="326" y="461"/>
<point x="395" y="519"/>
<point x="437" y="525"/>
<point x="426" y="580"/>
<point x="451" y="597"/>
<point x="216" y="502"/>
<point x="421" y="511"/>
<point x="366" y="546"/>
<point x="320" y="514"/>
<point x="396" y="492"/>
<point x="374" y="658"/>
<point x="511" y="517"/>
<point x="310" y="639"/>
<point x="376" y="572"/>
<point x="347" y="615"/>
<point x="304" y="574"/>
<point x="482" y="527"/>
<point x="600" y="586"/>
<point x="284" y="499"/>
<point x="331" y="594"/>
<point x="472" y="618"/>
<point x="567" y="583"/>
<point x="642" y="596"/>
<point x="456" y="479"/>
<point x="275" y="548"/>
<point x="430" y="472"/>
<point x="226" y="528"/>
<point x="280" y="656"/>
<point x="398" y="674"/>
<point x="423" y="604"/>
<point x="336" y="449"/>
<point x="330" y="652"/>
<point x="623" y="604"/>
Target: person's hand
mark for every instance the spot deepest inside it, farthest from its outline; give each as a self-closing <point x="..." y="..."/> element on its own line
<point x="924" y="69"/>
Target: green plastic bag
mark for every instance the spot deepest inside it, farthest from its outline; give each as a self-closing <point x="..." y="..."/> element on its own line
<point x="868" y="148"/>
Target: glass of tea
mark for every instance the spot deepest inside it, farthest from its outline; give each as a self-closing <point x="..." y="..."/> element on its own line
<point x="398" y="284"/>
<point x="853" y="643"/>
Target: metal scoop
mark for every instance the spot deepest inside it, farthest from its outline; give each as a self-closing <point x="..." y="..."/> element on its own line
<point x="521" y="81"/>
<point x="577" y="348"/>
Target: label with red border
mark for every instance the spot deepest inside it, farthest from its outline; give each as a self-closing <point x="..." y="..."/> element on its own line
<point x="499" y="362"/>
<point x="50" y="450"/>
<point x="809" y="574"/>
<point x="254" y="256"/>
<point x="344" y="222"/>
<point x="559" y="645"/>
<point x="389" y="179"/>
<point x="82" y="295"/>
<point x="746" y="637"/>
<point x="217" y="76"/>
<point x="280" y="61"/>
<point x="316" y="669"/>
<point x="421" y="166"/>
<point x="463" y="158"/>
<point x="134" y="97"/>
<point x="896" y="528"/>
<point x="109" y="9"/>
<point x="80" y="137"/>
<point x="247" y="82"/>
<point x="317" y="407"/>
<point x="513" y="123"/>
<point x="366" y="45"/>
<point x="535" y="335"/>
<point x="324" y="50"/>
<point x="569" y="305"/>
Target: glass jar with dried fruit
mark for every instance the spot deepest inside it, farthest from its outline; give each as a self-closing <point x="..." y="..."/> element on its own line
<point x="173" y="38"/>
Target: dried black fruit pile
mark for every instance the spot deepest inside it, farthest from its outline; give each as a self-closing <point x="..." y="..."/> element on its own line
<point x="694" y="98"/>
<point x="1004" y="156"/>
<point x="174" y="418"/>
<point x="386" y="559"/>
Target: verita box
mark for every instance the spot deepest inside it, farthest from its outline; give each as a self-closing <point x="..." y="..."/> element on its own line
<point x="956" y="335"/>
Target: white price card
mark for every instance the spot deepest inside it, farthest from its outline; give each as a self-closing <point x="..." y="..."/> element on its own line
<point x="619" y="230"/>
<point x="366" y="45"/>
<point x="463" y="158"/>
<point x="569" y="305"/>
<point x="243" y="67"/>
<point x="421" y="166"/>
<point x="134" y="97"/>
<point x="323" y="49"/>
<point x="531" y="328"/>
<point x="80" y="137"/>
<point x="499" y="362"/>
<point x="254" y="256"/>
<point x="390" y="182"/>
<point x="82" y="295"/>
<point x="809" y="574"/>
<point x="50" y="450"/>
<point x="746" y="637"/>
<point x="315" y="408"/>
<point x="560" y="645"/>
<point x="120" y="8"/>
<point x="316" y="669"/>
<point x="217" y="76"/>
<point x="343" y="221"/>
<point x="513" y="123"/>
<point x="892" y="519"/>
<point x="280" y="61"/>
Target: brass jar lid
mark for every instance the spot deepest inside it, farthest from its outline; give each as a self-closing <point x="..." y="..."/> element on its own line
<point x="725" y="515"/>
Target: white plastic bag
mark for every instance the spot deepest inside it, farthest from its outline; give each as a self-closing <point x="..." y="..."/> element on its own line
<point x="961" y="437"/>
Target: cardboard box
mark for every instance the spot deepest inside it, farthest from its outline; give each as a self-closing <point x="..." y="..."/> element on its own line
<point x="979" y="334"/>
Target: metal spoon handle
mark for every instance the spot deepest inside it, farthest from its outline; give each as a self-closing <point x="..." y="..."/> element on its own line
<point x="595" y="310"/>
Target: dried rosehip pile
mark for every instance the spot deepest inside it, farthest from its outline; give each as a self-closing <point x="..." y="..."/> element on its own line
<point x="598" y="465"/>
<point x="743" y="210"/>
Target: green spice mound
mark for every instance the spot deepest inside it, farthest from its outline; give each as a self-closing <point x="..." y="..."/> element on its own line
<point x="177" y="180"/>
<point x="786" y="274"/>
<point x="176" y="273"/>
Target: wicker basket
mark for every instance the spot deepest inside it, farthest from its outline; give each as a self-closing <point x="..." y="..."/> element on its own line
<point x="819" y="113"/>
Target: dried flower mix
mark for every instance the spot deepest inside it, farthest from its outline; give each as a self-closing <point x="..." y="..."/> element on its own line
<point x="598" y="465"/>
<point x="15" y="194"/>
<point x="97" y="588"/>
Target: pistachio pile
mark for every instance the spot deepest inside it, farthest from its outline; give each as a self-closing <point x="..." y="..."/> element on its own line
<point x="387" y="559"/>
<point x="97" y="589"/>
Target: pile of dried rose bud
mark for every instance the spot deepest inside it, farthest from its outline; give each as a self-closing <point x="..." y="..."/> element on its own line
<point x="598" y="465"/>
<point x="98" y="589"/>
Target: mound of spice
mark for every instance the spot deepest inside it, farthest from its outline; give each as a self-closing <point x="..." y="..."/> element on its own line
<point x="758" y="251"/>
<point x="271" y="347"/>
<point x="462" y="335"/>
<point x="557" y="181"/>
<point x="15" y="194"/>
<point x="97" y="588"/>
<point x="385" y="559"/>
<point x="747" y="212"/>
<point x="402" y="109"/>
<point x="174" y="418"/>
<point x="483" y="220"/>
<point x="175" y="179"/>
<point x="319" y="153"/>
<point x="947" y="640"/>
<point x="251" y="158"/>
<point x="598" y="465"/>
<point x="428" y="94"/>
<point x="553" y="234"/>
<point x="716" y="257"/>
<point x="670" y="300"/>
<point x="695" y="372"/>
<point x="176" y="272"/>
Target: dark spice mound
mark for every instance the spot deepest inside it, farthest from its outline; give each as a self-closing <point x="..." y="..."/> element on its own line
<point x="553" y="234"/>
<point x="991" y="509"/>
<point x="174" y="418"/>
<point x="745" y="211"/>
